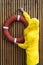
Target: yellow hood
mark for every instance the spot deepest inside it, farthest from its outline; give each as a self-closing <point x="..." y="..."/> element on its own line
<point x="33" y="24"/>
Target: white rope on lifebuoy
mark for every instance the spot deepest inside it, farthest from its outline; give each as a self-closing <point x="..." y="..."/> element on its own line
<point x="15" y="39"/>
<point x="18" y="17"/>
<point x="5" y="27"/>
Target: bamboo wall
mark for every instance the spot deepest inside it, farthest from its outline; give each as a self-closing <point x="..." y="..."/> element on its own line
<point x="10" y="53"/>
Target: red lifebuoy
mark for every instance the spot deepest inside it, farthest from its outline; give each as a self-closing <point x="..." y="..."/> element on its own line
<point x="7" y="24"/>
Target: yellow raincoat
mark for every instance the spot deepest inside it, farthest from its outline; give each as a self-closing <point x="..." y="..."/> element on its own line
<point x="31" y="35"/>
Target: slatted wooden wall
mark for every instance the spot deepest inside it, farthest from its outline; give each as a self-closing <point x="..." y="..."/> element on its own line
<point x="11" y="54"/>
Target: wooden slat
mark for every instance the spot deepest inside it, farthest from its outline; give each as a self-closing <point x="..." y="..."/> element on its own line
<point x="41" y="31"/>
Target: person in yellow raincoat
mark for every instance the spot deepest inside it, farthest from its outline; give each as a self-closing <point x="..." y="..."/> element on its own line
<point x="31" y="35"/>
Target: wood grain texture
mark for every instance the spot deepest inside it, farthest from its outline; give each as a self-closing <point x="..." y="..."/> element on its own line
<point x="11" y="54"/>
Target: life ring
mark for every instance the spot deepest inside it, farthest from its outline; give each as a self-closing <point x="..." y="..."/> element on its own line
<point x="6" y="28"/>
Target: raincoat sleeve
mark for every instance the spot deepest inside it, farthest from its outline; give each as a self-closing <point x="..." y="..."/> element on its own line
<point x="23" y="46"/>
<point x="27" y="17"/>
<point x="29" y="39"/>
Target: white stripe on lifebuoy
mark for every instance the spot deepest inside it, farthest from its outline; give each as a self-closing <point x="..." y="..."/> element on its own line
<point x="5" y="27"/>
<point x="15" y="39"/>
<point x="18" y="17"/>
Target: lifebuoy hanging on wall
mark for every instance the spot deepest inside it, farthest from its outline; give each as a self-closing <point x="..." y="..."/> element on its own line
<point x="7" y="24"/>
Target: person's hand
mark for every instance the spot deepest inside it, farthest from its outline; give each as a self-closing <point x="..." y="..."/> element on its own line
<point x="21" y="10"/>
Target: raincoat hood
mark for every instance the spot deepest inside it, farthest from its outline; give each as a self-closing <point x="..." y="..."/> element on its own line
<point x="33" y="24"/>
